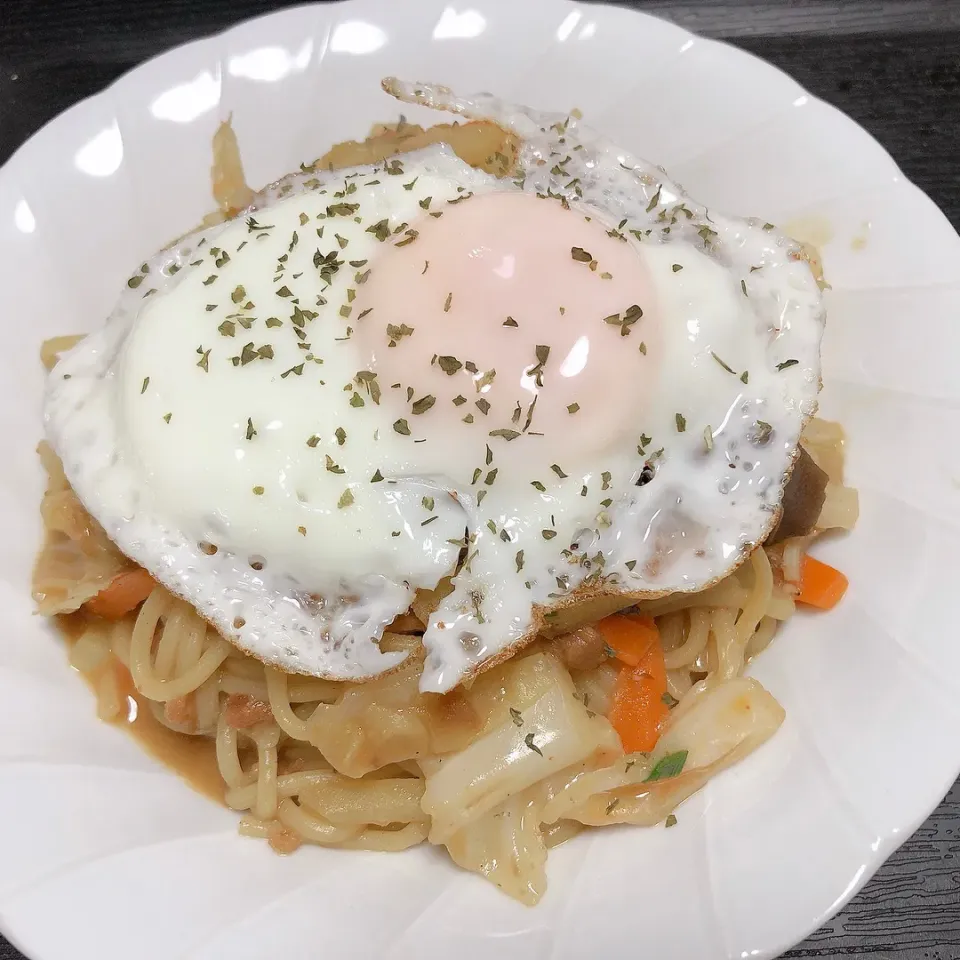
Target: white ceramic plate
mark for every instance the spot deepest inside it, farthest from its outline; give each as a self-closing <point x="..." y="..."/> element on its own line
<point x="106" y="855"/>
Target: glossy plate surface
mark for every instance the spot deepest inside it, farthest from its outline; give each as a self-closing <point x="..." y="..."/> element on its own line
<point x="107" y="855"/>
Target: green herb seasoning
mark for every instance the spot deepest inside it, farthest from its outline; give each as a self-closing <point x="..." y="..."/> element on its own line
<point x="626" y="320"/>
<point x="423" y="404"/>
<point x="763" y="431"/>
<point x="725" y="366"/>
<point x="342" y="209"/>
<point x="529" y="419"/>
<point x="485" y="379"/>
<point x="668" y="766"/>
<point x="449" y="365"/>
<point x="380" y="229"/>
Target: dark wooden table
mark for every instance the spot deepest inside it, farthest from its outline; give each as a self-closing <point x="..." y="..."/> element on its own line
<point x="893" y="65"/>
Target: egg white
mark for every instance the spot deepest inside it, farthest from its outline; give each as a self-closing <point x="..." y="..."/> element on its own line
<point x="309" y="570"/>
<point x="223" y="471"/>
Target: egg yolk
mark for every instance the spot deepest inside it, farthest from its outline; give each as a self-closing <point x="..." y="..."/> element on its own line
<point x="511" y="316"/>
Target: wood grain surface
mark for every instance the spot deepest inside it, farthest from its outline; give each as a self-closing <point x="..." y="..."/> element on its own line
<point x="892" y="65"/>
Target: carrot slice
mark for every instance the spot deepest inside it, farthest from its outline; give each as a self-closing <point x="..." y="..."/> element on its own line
<point x="124" y="593"/>
<point x="638" y="710"/>
<point x="629" y="636"/>
<point x="821" y="585"/>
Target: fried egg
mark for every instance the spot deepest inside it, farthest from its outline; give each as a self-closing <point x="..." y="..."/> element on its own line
<point x="571" y="382"/>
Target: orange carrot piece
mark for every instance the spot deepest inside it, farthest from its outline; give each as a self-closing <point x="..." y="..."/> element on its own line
<point x="124" y="593"/>
<point x="821" y="585"/>
<point x="638" y="710"/>
<point x="629" y="636"/>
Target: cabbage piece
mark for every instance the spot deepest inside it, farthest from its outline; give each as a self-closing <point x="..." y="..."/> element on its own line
<point x="345" y="802"/>
<point x="77" y="559"/>
<point x="230" y="188"/>
<point x="712" y="729"/>
<point x="507" y="847"/>
<point x="51" y="349"/>
<point x="388" y="719"/>
<point x="545" y="729"/>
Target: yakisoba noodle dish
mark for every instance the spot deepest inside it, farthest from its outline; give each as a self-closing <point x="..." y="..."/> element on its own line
<point x="443" y="490"/>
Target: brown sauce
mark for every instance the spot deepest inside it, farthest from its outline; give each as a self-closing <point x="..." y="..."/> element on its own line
<point x="481" y="143"/>
<point x="193" y="758"/>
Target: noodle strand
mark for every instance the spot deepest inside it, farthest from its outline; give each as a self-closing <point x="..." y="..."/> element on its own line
<point x="308" y="760"/>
